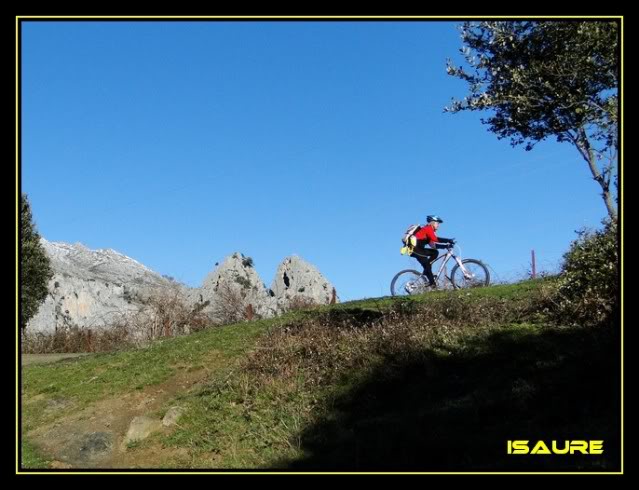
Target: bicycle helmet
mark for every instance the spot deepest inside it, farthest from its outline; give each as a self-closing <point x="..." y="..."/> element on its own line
<point x="433" y="217"/>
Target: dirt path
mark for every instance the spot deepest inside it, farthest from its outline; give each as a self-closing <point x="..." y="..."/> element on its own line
<point x="94" y="437"/>
<point x="47" y="358"/>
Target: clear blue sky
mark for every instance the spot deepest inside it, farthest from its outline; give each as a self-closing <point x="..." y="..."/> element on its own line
<point x="178" y="143"/>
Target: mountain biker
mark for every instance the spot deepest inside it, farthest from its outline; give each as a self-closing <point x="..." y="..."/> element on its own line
<point x="426" y="255"/>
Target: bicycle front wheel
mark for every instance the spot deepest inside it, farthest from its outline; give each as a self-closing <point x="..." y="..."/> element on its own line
<point x="475" y="275"/>
<point x="407" y="282"/>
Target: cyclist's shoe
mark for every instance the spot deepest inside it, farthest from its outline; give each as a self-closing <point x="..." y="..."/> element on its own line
<point x="432" y="285"/>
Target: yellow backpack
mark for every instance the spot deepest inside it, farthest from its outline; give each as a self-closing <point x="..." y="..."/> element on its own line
<point x="409" y="239"/>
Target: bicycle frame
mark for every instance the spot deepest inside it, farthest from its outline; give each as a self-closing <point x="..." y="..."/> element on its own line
<point x="445" y="258"/>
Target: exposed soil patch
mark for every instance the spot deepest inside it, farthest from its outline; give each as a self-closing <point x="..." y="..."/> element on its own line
<point x="95" y="437"/>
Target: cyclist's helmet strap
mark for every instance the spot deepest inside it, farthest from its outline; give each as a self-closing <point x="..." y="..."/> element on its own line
<point x="432" y="217"/>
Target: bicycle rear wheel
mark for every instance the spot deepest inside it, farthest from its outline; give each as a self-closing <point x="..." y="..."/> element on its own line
<point x="407" y="282"/>
<point x="477" y="276"/>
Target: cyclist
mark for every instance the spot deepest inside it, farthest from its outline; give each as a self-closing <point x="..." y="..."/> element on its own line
<point x="426" y="255"/>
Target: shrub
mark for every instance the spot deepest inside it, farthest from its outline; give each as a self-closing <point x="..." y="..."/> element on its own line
<point x="165" y="312"/>
<point x="588" y="291"/>
<point x="230" y="304"/>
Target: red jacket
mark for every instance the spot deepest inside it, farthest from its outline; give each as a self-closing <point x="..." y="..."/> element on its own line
<point x="426" y="233"/>
<point x="426" y="236"/>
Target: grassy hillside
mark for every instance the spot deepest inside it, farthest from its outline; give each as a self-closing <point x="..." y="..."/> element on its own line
<point x="438" y="382"/>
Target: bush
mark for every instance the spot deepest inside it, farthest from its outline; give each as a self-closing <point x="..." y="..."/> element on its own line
<point x="166" y="312"/>
<point x="77" y="339"/>
<point x="324" y="346"/>
<point x="588" y="291"/>
<point x="230" y="305"/>
<point x="299" y="302"/>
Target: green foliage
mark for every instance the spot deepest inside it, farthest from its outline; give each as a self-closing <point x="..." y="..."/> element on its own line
<point x="546" y="79"/>
<point x="35" y="267"/>
<point x="588" y="291"/>
<point x="542" y="78"/>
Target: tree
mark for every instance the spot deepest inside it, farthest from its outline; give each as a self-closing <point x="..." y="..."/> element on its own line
<point x="35" y="267"/>
<point x="547" y="79"/>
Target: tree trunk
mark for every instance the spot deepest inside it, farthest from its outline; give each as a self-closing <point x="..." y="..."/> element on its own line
<point x="583" y="145"/>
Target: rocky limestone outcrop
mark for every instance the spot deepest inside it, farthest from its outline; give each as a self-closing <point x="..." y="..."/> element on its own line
<point x="96" y="288"/>
<point x="235" y="291"/>
<point x="297" y="281"/>
<point x="91" y="288"/>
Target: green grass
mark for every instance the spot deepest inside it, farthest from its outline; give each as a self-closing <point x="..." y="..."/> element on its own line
<point x="447" y="398"/>
<point x="452" y="404"/>
<point x="31" y="459"/>
<point x="240" y="425"/>
<point x="454" y="407"/>
<point x="437" y="382"/>
<point x="79" y="382"/>
<point x="517" y="291"/>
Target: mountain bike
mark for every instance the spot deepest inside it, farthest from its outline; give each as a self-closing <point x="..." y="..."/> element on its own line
<point x="466" y="273"/>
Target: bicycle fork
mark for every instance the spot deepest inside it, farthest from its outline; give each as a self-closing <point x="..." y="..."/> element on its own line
<point x="467" y="275"/>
